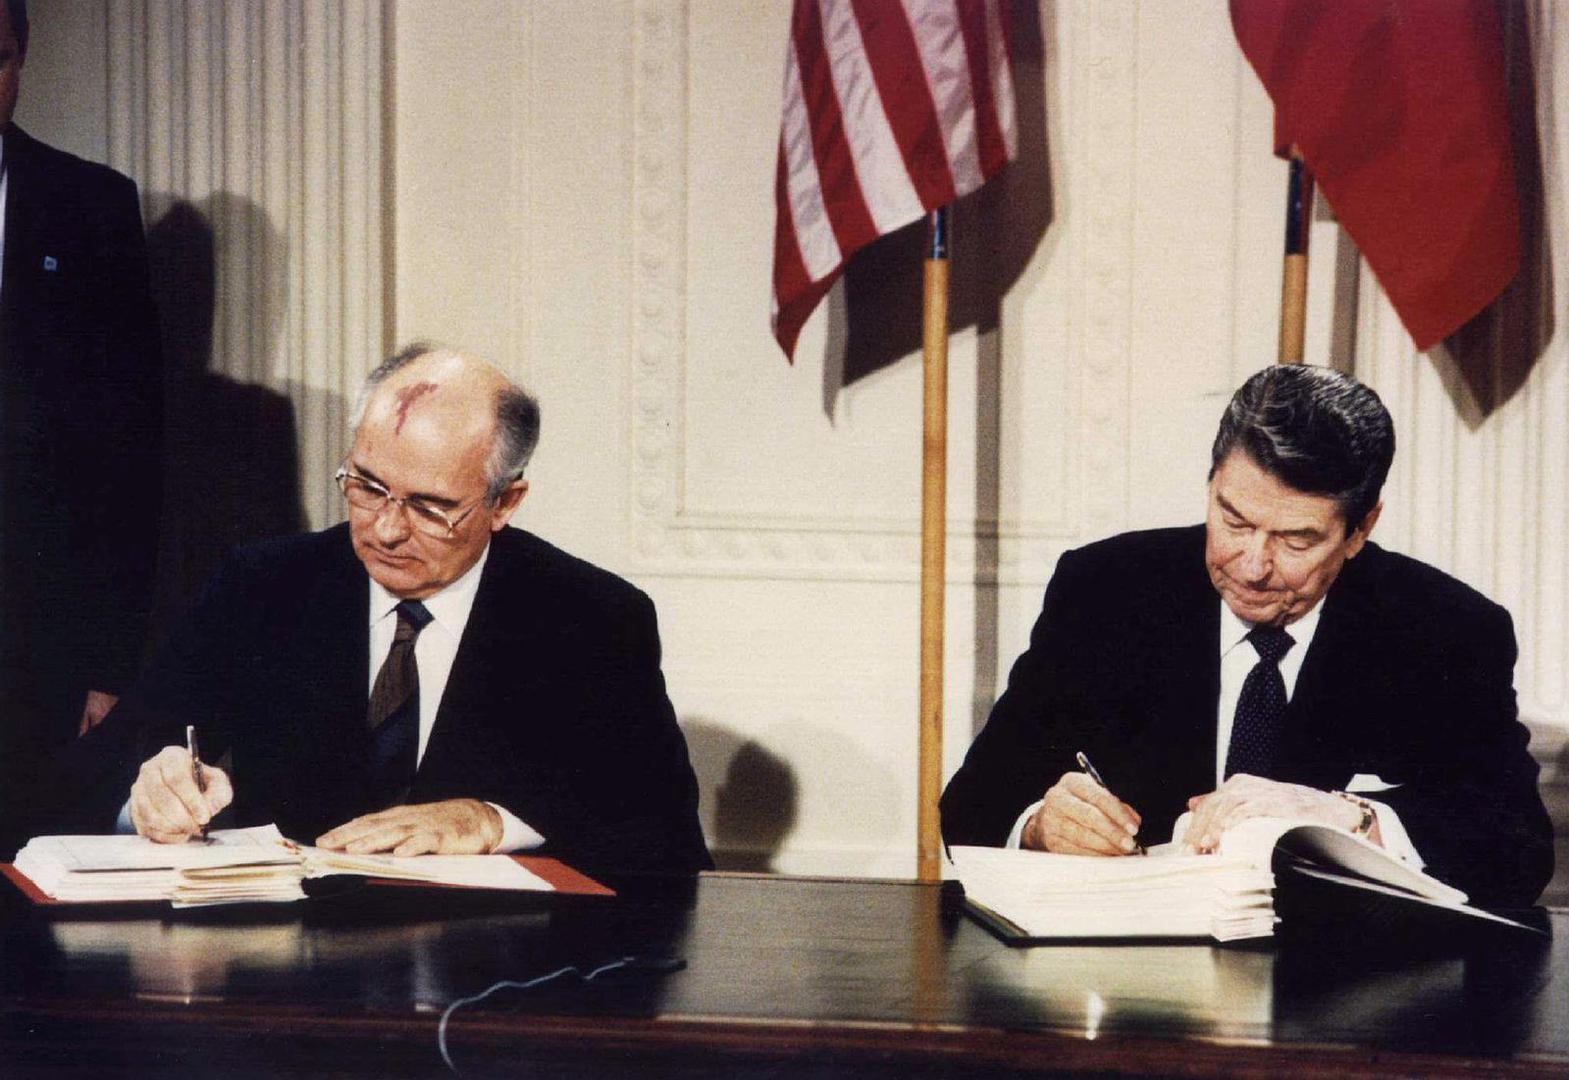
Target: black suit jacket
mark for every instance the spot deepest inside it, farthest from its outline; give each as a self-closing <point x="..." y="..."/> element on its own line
<point x="555" y="707"/>
<point x="1409" y="677"/>
<point x="81" y="388"/>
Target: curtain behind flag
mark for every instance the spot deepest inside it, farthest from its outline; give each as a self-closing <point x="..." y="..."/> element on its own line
<point x="891" y="109"/>
<point x="1400" y="109"/>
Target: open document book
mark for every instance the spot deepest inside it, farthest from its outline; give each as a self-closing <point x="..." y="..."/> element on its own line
<point x="234" y="865"/>
<point x="1227" y="896"/>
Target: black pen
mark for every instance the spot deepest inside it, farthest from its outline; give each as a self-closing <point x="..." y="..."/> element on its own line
<point x="196" y="766"/>
<point x="1089" y="770"/>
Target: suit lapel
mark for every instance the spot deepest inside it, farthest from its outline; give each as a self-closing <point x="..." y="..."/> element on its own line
<point x="1173" y="681"/>
<point x="1314" y="746"/>
<point x="334" y="647"/>
<point x="1199" y="649"/>
<point x="498" y="641"/>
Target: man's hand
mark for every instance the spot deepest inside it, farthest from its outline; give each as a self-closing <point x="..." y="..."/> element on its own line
<point x="1243" y="796"/>
<point x="1079" y="817"/>
<point x="94" y="709"/>
<point x="453" y="827"/>
<point x="166" y="804"/>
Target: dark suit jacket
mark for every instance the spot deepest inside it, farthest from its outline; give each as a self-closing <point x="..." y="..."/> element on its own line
<point x="555" y="707"/>
<point x="80" y="447"/>
<point x="1409" y="677"/>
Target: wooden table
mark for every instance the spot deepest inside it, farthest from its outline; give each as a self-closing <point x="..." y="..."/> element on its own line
<point x="785" y="977"/>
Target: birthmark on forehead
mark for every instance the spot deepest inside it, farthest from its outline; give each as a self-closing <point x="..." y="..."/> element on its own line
<point x="406" y="399"/>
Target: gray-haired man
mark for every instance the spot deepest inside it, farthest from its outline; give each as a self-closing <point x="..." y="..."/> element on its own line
<point x="422" y="678"/>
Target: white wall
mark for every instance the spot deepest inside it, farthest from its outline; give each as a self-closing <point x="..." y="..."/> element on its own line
<point x="584" y="192"/>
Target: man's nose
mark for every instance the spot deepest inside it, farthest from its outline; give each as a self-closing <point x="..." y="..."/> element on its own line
<point x="1256" y="563"/>
<point x="392" y="524"/>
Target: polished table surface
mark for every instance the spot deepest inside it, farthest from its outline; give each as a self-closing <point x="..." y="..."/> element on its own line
<point x="783" y="977"/>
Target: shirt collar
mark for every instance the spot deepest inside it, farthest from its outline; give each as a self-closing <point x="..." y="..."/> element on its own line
<point x="1233" y="629"/>
<point x="449" y="607"/>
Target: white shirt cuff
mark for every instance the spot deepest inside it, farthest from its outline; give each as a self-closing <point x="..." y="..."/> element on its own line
<point x="515" y="835"/>
<point x="1015" y="837"/>
<point x="123" y="823"/>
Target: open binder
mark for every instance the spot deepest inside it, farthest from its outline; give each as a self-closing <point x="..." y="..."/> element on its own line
<point x="257" y="865"/>
<point x="1265" y="868"/>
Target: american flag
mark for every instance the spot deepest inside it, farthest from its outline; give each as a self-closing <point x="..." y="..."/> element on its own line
<point x="892" y="108"/>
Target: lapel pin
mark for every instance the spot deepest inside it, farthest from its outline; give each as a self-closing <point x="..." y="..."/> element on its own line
<point x="51" y="263"/>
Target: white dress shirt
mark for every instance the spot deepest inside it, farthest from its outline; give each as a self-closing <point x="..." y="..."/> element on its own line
<point x="434" y="651"/>
<point x="1237" y="658"/>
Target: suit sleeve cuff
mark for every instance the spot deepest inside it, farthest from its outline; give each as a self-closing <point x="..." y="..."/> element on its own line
<point x="515" y="835"/>
<point x="1016" y="834"/>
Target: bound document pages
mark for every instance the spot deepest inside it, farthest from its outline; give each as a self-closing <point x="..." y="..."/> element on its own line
<point x="1227" y="896"/>
<point x="232" y="866"/>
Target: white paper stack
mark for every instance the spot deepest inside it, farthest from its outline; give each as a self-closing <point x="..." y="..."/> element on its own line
<point x="1083" y="896"/>
<point x="233" y="865"/>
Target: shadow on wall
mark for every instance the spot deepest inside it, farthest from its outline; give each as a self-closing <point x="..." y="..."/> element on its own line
<point x="231" y="472"/>
<point x="748" y="796"/>
<point x="874" y="313"/>
<point x="751" y="799"/>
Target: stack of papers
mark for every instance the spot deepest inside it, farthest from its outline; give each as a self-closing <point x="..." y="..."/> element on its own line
<point x="234" y="866"/>
<point x="1085" y="896"/>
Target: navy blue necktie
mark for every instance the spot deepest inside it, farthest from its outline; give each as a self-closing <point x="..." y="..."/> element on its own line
<point x="393" y="713"/>
<point x="1261" y="707"/>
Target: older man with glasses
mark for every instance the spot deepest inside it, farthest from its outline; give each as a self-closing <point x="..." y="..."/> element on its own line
<point x="421" y="678"/>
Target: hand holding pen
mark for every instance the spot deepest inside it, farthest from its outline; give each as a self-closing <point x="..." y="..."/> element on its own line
<point x="1080" y="816"/>
<point x="176" y="794"/>
<point x="1094" y="774"/>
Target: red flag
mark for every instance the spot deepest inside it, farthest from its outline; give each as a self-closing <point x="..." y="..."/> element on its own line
<point x="1400" y="109"/>
<point x="890" y="110"/>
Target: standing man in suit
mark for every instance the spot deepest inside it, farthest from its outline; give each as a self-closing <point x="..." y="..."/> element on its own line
<point x="80" y="441"/>
<point x="1270" y="662"/>
<point x="422" y="678"/>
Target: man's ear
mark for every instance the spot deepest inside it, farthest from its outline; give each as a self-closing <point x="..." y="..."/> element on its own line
<point x="508" y="504"/>
<point x="1360" y="534"/>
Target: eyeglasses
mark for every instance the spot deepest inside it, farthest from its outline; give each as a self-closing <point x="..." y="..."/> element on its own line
<point x="364" y="493"/>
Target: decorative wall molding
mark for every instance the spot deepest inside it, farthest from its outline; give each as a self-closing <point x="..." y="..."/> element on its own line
<point x="674" y="536"/>
<point x="1103" y="301"/>
<point x="266" y="120"/>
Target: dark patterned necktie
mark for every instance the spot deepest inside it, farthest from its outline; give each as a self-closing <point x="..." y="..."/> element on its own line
<point x="1261" y="707"/>
<point x="393" y="713"/>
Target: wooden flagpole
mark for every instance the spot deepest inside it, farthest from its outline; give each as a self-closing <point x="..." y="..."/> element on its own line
<point x="934" y="530"/>
<point x="1294" y="279"/>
